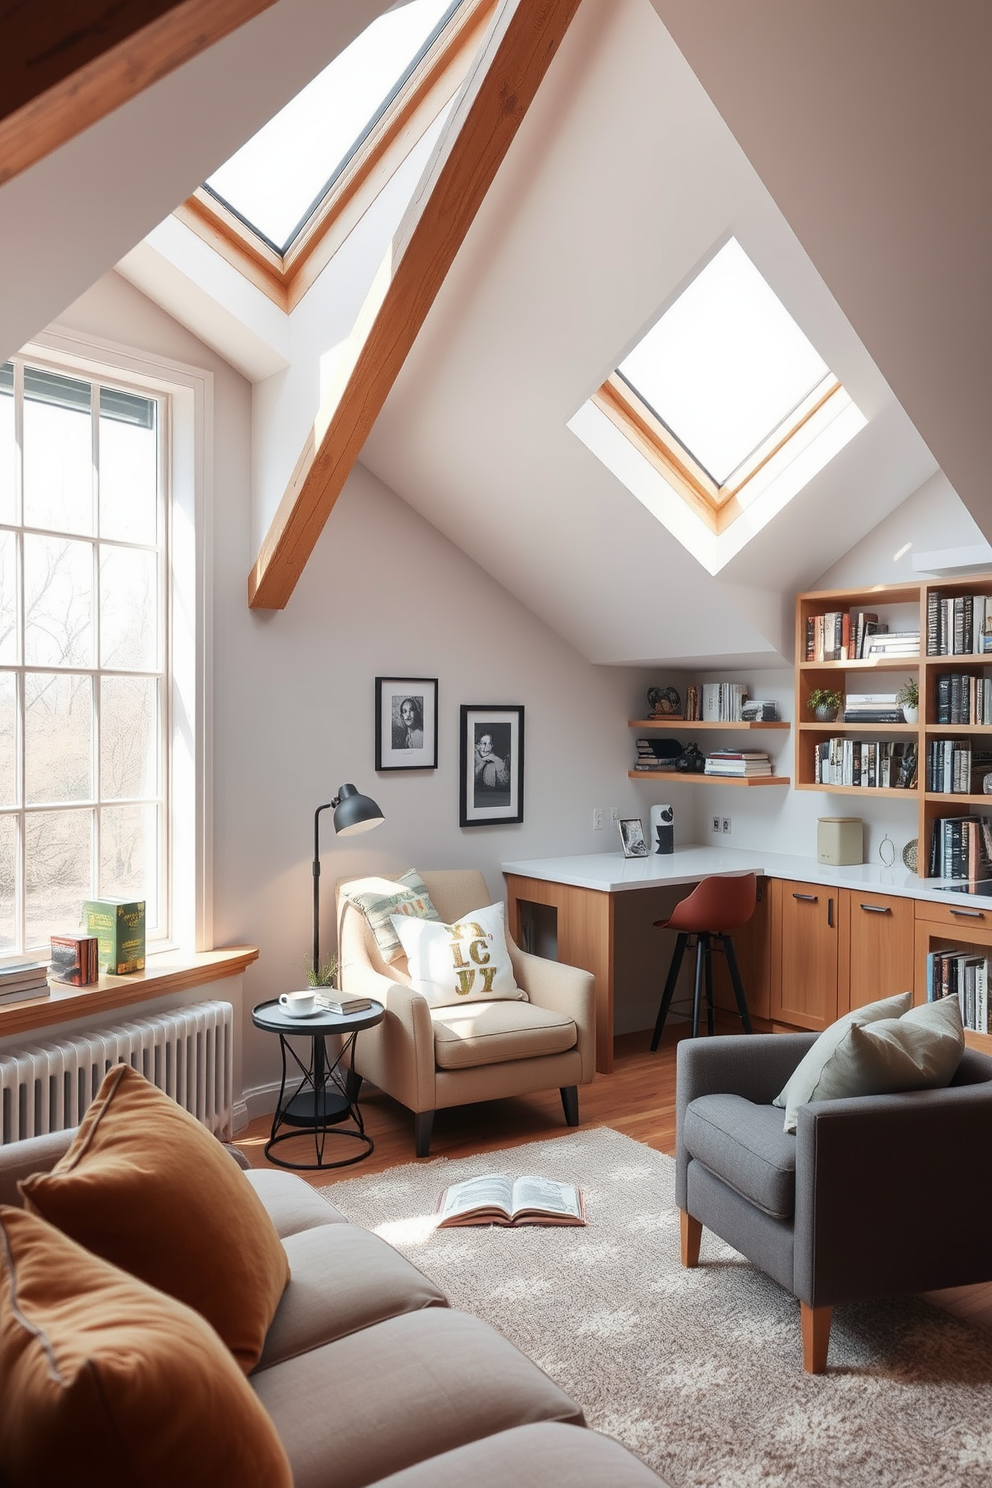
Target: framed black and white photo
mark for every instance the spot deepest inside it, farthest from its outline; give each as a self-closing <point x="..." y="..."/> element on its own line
<point x="491" y="778"/>
<point x="406" y="723"/>
<point x="632" y="837"/>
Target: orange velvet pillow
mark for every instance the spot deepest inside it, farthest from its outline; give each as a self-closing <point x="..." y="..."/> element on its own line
<point x="148" y="1188"/>
<point x="106" y="1381"/>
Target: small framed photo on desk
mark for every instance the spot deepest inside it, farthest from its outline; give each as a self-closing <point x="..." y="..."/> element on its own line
<point x="632" y="837"/>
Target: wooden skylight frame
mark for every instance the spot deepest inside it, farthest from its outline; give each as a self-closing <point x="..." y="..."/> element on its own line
<point x="717" y="506"/>
<point x="285" y="278"/>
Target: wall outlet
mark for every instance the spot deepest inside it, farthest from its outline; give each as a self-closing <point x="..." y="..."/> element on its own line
<point x="716" y="825"/>
<point x="597" y="818"/>
<point x="725" y="824"/>
<point x="614" y="815"/>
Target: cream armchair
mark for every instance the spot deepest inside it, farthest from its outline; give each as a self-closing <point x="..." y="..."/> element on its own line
<point x="431" y="1058"/>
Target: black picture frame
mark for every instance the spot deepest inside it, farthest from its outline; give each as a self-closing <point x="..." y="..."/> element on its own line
<point x="406" y="723"/>
<point x="632" y="837"/>
<point x="491" y="765"/>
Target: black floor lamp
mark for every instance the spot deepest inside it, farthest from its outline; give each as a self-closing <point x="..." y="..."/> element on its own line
<point x="353" y="813"/>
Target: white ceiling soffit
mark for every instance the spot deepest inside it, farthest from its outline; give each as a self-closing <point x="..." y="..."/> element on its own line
<point x="74" y="215"/>
<point x="870" y="126"/>
<point x="620" y="183"/>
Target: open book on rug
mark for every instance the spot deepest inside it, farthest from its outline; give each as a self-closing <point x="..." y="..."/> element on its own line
<point x="496" y="1199"/>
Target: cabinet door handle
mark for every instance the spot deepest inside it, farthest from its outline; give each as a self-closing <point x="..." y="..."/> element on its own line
<point x="969" y="914"/>
<point x="830" y="913"/>
<point x="876" y="908"/>
<point x="809" y="898"/>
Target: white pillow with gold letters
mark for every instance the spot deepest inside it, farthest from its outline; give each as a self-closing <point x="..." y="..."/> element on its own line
<point x="468" y="961"/>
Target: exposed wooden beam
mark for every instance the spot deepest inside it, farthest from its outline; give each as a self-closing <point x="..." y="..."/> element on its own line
<point x="64" y="64"/>
<point x="492" y="105"/>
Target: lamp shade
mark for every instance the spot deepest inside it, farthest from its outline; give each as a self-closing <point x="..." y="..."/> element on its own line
<point x="354" y="812"/>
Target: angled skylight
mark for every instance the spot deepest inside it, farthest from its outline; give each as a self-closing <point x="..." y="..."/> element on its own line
<point x="725" y="366"/>
<point x="275" y="181"/>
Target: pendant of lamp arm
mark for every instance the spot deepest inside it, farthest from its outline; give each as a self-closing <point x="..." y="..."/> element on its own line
<point x="353" y="813"/>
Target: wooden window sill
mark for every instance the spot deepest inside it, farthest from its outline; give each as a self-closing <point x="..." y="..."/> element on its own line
<point x="167" y="971"/>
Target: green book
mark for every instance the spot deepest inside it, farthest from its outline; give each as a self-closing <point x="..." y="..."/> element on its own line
<point x="119" y="926"/>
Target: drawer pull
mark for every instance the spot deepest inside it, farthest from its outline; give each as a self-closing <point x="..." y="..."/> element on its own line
<point x="830" y="913"/>
<point x="969" y="914"/>
<point x="809" y="898"/>
<point x="876" y="908"/>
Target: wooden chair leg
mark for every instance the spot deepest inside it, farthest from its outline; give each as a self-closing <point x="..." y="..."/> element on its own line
<point x="816" y="1337"/>
<point x="570" y="1104"/>
<point x="690" y="1236"/>
<point x="423" y="1125"/>
<point x="666" y="996"/>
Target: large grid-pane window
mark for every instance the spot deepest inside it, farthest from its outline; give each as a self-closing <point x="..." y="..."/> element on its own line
<point x="83" y="652"/>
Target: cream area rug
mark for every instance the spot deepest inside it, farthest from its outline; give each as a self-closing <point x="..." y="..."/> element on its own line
<point x="698" y="1372"/>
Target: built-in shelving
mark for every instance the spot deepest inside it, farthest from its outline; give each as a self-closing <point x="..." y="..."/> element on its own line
<point x="680" y="726"/>
<point x="685" y="777"/>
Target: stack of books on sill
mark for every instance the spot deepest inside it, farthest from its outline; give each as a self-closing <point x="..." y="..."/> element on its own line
<point x="872" y="707"/>
<point x="723" y="701"/>
<point x="963" y="699"/>
<point x="738" y="764"/>
<point x="954" y="768"/>
<point x="867" y="763"/>
<point x="963" y="975"/>
<point x="959" y="625"/>
<point x="961" y="847"/>
<point x="21" y="981"/>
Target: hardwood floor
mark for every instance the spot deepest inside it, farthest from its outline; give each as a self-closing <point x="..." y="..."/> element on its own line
<point x="638" y="1098"/>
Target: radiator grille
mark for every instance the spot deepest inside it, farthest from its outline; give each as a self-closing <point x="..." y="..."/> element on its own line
<point x="188" y="1053"/>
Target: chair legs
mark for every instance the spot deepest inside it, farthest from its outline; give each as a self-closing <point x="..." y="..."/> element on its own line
<point x="738" y="985"/>
<point x="703" y="981"/>
<point x="423" y="1125"/>
<point x="816" y="1337"/>
<point x="681" y="941"/>
<point x="570" y="1104"/>
<point x="690" y="1237"/>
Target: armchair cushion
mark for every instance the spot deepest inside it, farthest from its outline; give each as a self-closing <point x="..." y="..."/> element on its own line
<point x="919" y="1051"/>
<point x="464" y="962"/>
<point x="744" y="1145"/>
<point x="804" y="1081"/>
<point x="478" y="1032"/>
<point x="381" y="898"/>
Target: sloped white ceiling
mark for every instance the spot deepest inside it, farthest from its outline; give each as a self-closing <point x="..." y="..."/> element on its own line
<point x="619" y="184"/>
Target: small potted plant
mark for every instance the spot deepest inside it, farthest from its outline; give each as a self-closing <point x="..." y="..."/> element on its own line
<point x="324" y="975"/>
<point x="909" y="697"/>
<point x="824" y="704"/>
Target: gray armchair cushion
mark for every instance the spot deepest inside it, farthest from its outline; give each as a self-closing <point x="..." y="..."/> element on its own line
<point x="744" y="1145"/>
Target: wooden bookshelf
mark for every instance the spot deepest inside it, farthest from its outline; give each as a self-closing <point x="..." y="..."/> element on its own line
<point x="682" y="726"/>
<point x="904" y="607"/>
<point x="686" y="777"/>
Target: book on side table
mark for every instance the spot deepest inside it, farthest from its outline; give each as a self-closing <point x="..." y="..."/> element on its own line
<point x="496" y="1199"/>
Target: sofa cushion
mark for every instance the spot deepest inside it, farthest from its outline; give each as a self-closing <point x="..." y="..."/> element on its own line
<point x="805" y="1077"/>
<point x="344" y="1278"/>
<point x="381" y="898"/>
<point x="107" y="1381"/>
<point x="919" y="1051"/>
<point x="531" y="1457"/>
<point x="148" y="1188"/>
<point x="744" y="1145"/>
<point x="290" y="1202"/>
<point x="462" y="962"/>
<point x="494" y="1032"/>
<point x="401" y="1392"/>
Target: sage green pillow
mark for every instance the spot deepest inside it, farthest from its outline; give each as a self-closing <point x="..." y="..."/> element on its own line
<point x="406" y="895"/>
<point x="919" y="1051"/>
<point x="805" y="1078"/>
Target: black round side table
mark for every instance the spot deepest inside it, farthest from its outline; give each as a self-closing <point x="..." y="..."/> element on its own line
<point x="325" y="1099"/>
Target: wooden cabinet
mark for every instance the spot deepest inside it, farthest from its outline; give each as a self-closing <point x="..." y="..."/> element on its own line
<point x="952" y="927"/>
<point x="877" y="955"/>
<point x="805" y="953"/>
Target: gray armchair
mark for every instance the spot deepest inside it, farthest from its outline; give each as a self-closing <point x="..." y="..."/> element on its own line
<point x="871" y="1197"/>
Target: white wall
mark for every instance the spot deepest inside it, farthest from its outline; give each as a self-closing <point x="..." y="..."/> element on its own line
<point x="293" y="700"/>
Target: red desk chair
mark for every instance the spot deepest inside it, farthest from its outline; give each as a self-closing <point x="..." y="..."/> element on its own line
<point x="714" y="908"/>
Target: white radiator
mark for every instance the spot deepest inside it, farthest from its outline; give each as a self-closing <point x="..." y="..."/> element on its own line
<point x="188" y="1053"/>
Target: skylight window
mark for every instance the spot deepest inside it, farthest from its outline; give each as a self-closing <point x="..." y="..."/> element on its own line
<point x="275" y="182"/>
<point x="725" y="366"/>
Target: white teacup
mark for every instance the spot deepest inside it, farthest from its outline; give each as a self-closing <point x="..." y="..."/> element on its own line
<point x="299" y="1004"/>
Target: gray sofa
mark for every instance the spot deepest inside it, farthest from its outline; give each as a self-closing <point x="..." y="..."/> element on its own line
<point x="370" y="1377"/>
<point x="873" y="1196"/>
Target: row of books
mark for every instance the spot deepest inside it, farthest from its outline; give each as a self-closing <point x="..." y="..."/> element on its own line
<point x="868" y="763"/>
<point x="963" y="975"/>
<point x="961" y="847"/>
<point x="959" y="625"/>
<point x="723" y="702"/>
<point x="837" y="635"/>
<point x="738" y="764"/>
<point x="954" y="768"/>
<point x="963" y="699"/>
